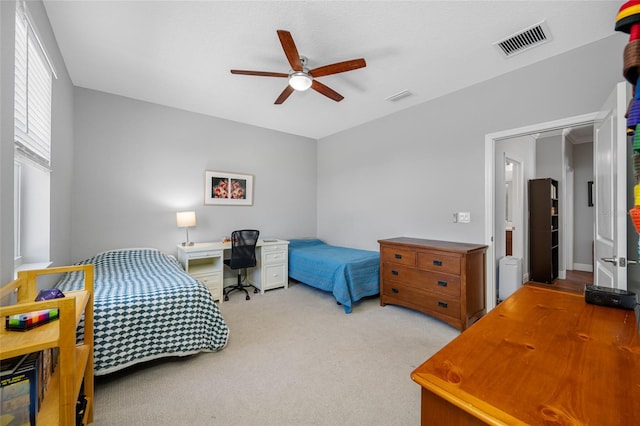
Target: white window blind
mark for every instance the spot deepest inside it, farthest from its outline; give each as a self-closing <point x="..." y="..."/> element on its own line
<point x="33" y="76"/>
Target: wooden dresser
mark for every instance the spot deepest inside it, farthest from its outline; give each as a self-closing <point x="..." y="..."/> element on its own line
<point x="440" y="278"/>
<point x="541" y="357"/>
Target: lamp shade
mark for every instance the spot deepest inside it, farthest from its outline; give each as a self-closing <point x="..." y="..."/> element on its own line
<point x="186" y="219"/>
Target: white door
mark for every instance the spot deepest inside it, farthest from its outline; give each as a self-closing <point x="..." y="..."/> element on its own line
<point x="610" y="172"/>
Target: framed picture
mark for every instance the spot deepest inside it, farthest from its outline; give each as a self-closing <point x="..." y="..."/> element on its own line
<point x="230" y="189"/>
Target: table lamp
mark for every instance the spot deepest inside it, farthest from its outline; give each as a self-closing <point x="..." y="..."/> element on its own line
<point x="186" y="220"/>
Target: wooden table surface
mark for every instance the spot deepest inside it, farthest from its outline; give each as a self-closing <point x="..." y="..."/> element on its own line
<point x="541" y="357"/>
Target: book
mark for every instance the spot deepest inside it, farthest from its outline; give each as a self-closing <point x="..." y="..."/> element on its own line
<point x="10" y="365"/>
<point x="18" y="396"/>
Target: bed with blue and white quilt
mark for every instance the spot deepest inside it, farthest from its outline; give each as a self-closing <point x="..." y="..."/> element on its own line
<point x="147" y="307"/>
<point x="349" y="274"/>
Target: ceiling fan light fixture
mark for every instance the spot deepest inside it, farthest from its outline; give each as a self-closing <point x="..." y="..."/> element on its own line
<point x="300" y="80"/>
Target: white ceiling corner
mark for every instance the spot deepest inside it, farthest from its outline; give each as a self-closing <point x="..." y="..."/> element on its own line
<point x="179" y="53"/>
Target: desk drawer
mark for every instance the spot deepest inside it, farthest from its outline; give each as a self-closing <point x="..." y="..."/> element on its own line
<point x="398" y="255"/>
<point x="275" y="276"/>
<point x="441" y="262"/>
<point x="427" y="280"/>
<point x="274" y="247"/>
<point x="213" y="283"/>
<point x="274" y="257"/>
<point x="423" y="300"/>
<point x="204" y="254"/>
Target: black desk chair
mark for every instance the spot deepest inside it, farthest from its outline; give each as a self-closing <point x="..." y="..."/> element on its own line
<point x="243" y="256"/>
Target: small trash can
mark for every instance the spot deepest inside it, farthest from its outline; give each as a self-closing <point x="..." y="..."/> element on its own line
<point x="510" y="276"/>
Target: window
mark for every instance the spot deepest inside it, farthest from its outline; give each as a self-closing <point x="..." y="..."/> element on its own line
<point x="32" y="131"/>
<point x="32" y="116"/>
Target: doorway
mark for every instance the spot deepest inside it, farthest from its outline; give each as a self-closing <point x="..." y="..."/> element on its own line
<point x="491" y="194"/>
<point x="514" y="207"/>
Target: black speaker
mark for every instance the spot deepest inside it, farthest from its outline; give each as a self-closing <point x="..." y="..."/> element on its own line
<point x="612" y="297"/>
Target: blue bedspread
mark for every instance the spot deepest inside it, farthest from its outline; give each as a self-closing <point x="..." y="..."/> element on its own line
<point x="147" y="307"/>
<point x="349" y="274"/>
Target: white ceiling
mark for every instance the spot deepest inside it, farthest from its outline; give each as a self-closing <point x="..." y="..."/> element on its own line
<point x="179" y="53"/>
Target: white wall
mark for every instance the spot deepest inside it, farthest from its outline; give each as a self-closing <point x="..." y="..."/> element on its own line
<point x="62" y="140"/>
<point x="405" y="174"/>
<point x="137" y="164"/>
<point x="583" y="215"/>
<point x="7" y="25"/>
<point x="522" y="149"/>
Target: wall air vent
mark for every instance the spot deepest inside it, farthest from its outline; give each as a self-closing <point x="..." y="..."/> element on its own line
<point x="397" y="96"/>
<point x="523" y="40"/>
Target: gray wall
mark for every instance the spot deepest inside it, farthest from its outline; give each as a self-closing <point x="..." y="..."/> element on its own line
<point x="406" y="174"/>
<point x="549" y="160"/>
<point x="62" y="140"/>
<point x="583" y="215"/>
<point x="137" y="164"/>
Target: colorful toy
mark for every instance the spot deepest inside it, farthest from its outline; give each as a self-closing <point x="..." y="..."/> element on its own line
<point x="27" y="321"/>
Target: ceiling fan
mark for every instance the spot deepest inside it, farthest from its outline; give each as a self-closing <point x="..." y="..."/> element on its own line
<point x="300" y="77"/>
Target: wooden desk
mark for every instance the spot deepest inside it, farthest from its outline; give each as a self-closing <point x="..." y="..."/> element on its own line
<point x="541" y="357"/>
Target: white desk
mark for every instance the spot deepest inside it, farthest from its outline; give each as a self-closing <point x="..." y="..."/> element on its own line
<point x="204" y="261"/>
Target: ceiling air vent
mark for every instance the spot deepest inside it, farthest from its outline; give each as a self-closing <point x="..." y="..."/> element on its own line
<point x="523" y="40"/>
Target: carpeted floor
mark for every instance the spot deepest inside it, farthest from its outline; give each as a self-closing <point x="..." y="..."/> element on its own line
<point x="293" y="358"/>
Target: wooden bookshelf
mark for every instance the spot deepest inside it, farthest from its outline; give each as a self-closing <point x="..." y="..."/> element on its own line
<point x="75" y="360"/>
<point x="544" y="230"/>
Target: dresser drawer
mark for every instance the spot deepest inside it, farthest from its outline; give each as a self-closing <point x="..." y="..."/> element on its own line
<point x="422" y="300"/>
<point x="398" y="255"/>
<point x="438" y="261"/>
<point x="274" y="257"/>
<point x="433" y="281"/>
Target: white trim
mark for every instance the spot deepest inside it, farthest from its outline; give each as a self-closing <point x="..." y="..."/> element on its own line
<point x="489" y="155"/>
<point x="22" y="6"/>
<point x="30" y="267"/>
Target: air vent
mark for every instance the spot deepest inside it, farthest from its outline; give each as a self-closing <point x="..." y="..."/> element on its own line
<point x="398" y="96"/>
<point x="524" y="40"/>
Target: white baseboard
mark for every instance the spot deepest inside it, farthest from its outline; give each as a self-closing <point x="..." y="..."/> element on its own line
<point x="585" y="267"/>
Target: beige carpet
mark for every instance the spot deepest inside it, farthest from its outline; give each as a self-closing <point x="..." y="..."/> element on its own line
<point x="293" y="358"/>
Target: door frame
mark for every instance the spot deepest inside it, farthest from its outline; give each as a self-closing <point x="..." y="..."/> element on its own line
<point x="490" y="174"/>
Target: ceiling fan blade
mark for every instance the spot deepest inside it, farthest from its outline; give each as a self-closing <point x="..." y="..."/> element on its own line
<point x="339" y="67"/>
<point x="260" y="73"/>
<point x="284" y="95"/>
<point x="328" y="92"/>
<point x="290" y="50"/>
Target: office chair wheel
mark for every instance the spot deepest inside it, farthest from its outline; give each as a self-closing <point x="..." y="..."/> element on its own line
<point x="255" y="290"/>
<point x="248" y="298"/>
<point x="226" y="298"/>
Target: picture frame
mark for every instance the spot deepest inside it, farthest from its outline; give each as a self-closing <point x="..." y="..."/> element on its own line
<point x="230" y="189"/>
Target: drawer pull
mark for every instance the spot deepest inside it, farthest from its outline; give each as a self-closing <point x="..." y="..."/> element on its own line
<point x="442" y="283"/>
<point x="395" y="290"/>
<point x="398" y="256"/>
<point x="442" y="304"/>
<point x="437" y="262"/>
<point x="394" y="272"/>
